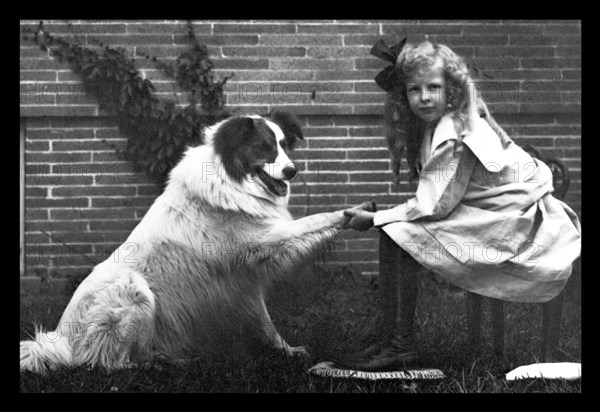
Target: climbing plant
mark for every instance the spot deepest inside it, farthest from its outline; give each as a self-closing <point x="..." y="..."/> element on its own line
<point x="157" y="130"/>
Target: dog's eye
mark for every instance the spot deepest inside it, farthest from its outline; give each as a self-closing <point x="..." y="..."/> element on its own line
<point x="265" y="147"/>
<point x="284" y="144"/>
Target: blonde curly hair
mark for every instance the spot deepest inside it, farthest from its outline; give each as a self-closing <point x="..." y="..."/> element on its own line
<point x="404" y="130"/>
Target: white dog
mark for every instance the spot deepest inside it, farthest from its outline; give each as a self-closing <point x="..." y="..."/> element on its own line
<point x="199" y="262"/>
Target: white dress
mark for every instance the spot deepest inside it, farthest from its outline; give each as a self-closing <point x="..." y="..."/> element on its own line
<point x="483" y="217"/>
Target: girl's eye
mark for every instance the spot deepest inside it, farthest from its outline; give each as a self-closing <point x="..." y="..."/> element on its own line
<point x="413" y="89"/>
<point x="436" y="86"/>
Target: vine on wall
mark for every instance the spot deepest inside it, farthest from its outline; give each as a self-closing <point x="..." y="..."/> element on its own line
<point x="157" y="130"/>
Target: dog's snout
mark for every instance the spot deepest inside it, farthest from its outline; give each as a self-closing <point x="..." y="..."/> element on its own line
<point x="289" y="172"/>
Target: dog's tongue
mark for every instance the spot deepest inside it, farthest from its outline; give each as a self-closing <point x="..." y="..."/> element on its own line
<point x="278" y="187"/>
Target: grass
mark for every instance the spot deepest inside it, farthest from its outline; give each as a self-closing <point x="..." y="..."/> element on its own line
<point x="335" y="311"/>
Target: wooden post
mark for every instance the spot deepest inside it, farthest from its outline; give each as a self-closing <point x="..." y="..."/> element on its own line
<point x="497" y="314"/>
<point x="474" y="319"/>
<point x="551" y="328"/>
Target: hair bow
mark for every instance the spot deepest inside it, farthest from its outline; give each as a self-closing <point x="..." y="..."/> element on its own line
<point x="387" y="78"/>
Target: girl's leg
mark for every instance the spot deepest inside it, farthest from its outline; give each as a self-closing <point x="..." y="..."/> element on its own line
<point x="399" y="286"/>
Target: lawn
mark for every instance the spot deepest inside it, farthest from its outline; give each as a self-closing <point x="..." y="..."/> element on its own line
<point x="326" y="311"/>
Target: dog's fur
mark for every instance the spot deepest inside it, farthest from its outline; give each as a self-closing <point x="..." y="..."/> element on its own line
<point x="201" y="257"/>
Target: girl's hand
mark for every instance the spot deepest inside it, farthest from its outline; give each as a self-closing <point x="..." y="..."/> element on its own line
<point x="361" y="220"/>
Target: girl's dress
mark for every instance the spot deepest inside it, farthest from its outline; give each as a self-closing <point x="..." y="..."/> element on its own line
<point x="484" y="217"/>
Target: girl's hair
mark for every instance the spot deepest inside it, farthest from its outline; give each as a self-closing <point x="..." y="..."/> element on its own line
<point x="403" y="128"/>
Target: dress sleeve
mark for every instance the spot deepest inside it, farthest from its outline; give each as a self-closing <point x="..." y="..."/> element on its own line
<point x="442" y="185"/>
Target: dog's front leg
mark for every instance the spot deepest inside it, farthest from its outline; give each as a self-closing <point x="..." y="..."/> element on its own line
<point x="272" y="338"/>
<point x="313" y="223"/>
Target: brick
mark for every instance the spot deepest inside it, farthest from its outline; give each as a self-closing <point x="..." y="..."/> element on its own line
<point x="260" y="51"/>
<point x="550" y="63"/>
<point x="348" y="166"/>
<point x="165" y="51"/>
<point x="56" y="226"/>
<point x="93" y="237"/>
<point x="514" y="51"/>
<point x="371" y="109"/>
<point x="324" y="176"/>
<point x="571" y="74"/>
<point x="421" y="28"/>
<point x="242" y="64"/>
<point x="346" y="75"/>
<point x="122" y="177"/>
<point x="65" y="111"/>
<point x="376" y="120"/>
<point x="267" y="75"/>
<point x="39" y="64"/>
<point x="33" y="146"/>
<point x="510" y="29"/>
<point x="87" y="145"/>
<point x="367" y="86"/>
<point x="110" y="202"/>
<point x="568" y="141"/>
<point x="55" y="134"/>
<point x="361" y="177"/>
<point x="133" y="39"/>
<point x="113" y="225"/>
<point x="571" y="51"/>
<point x="37" y="76"/>
<point x="58" y="157"/>
<point x="89" y="214"/>
<point x="454" y="41"/>
<point x="310" y="132"/>
<point x="367" y="154"/>
<point x="148" y="190"/>
<point x="83" y="122"/>
<point x="35" y="169"/>
<point x="562" y="29"/>
<point x="37" y="237"/>
<point x="347" y="143"/>
<point x="354" y="256"/>
<point x="342" y="28"/>
<point x="308" y="63"/>
<point x="54" y="203"/>
<point x="165" y="28"/>
<point x="300" y="39"/>
<point x="367" y="39"/>
<point x="322" y="200"/>
<point x="549" y="108"/>
<point x="519" y="40"/>
<point x="284" y="28"/>
<point x="44" y="249"/>
<point x="80" y="29"/>
<point x="93" y="191"/>
<point x="36" y="192"/>
<point x="43" y="179"/>
<point x="219" y="40"/>
<point x="336" y="52"/>
<point x="317" y="109"/>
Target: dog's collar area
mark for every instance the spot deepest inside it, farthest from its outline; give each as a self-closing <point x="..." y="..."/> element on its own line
<point x="275" y="186"/>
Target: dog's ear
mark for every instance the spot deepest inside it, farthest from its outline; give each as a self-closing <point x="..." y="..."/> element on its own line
<point x="290" y="125"/>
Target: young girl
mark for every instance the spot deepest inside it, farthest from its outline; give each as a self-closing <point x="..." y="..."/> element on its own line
<point x="483" y="216"/>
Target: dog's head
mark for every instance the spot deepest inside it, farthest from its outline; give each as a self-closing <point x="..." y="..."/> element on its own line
<point x="256" y="147"/>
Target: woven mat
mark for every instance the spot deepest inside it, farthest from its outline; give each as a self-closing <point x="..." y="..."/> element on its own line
<point x="329" y="369"/>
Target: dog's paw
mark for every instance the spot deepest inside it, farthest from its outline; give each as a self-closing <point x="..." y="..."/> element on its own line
<point x="297" y="351"/>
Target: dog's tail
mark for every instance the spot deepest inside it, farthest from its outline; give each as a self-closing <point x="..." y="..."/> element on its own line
<point x="47" y="351"/>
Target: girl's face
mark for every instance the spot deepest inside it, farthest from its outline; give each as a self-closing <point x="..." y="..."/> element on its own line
<point x="426" y="94"/>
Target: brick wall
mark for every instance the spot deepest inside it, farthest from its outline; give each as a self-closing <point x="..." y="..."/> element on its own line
<point x="81" y="201"/>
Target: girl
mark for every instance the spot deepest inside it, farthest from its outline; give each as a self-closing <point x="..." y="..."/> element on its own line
<point x="483" y="216"/>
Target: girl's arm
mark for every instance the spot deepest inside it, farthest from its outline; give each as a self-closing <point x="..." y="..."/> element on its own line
<point x="442" y="185"/>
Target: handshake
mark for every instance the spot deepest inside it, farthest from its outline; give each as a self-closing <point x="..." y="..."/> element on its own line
<point x="360" y="217"/>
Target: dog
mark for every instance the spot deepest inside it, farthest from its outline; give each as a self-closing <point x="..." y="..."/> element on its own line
<point x="200" y="261"/>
